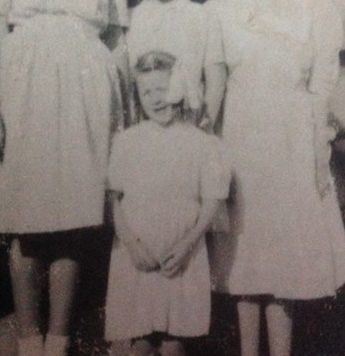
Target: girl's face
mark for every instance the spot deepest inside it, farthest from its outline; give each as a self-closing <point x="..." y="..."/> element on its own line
<point x="153" y="89"/>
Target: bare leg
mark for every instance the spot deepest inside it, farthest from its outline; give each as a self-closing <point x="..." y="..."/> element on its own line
<point x="119" y="348"/>
<point x="142" y="348"/>
<point x="63" y="276"/>
<point x="172" y="348"/>
<point x="279" y="326"/>
<point x="249" y="320"/>
<point x="26" y="273"/>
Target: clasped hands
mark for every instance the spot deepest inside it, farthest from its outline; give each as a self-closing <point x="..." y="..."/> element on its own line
<point x="324" y="133"/>
<point x="170" y="264"/>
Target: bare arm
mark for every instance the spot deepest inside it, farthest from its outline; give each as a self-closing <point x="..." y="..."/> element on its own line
<point x="327" y="39"/>
<point x="215" y="76"/>
<point x="215" y="70"/>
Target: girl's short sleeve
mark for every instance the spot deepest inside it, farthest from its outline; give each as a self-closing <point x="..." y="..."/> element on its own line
<point x="215" y="177"/>
<point x="116" y="164"/>
<point x="214" y="45"/>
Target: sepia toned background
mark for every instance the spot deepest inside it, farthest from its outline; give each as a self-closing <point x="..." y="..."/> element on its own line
<point x="319" y="326"/>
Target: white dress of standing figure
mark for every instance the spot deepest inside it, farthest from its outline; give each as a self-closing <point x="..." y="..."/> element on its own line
<point x="283" y="62"/>
<point x="56" y="92"/>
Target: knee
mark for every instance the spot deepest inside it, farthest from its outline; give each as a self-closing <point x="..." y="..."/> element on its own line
<point x="64" y="267"/>
<point x="21" y="265"/>
<point x="248" y="307"/>
<point x="172" y="348"/>
<point x="284" y="309"/>
<point x="142" y="348"/>
<point x="279" y="313"/>
<point x="16" y="257"/>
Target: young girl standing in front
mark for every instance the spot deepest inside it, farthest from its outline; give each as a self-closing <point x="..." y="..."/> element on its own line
<point x="168" y="179"/>
<point x="56" y="91"/>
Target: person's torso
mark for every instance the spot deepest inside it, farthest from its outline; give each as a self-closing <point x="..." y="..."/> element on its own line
<point x="265" y="51"/>
<point x="164" y="162"/>
<point x="177" y="27"/>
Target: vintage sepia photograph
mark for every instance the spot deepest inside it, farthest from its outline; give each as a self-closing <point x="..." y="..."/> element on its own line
<point x="172" y="177"/>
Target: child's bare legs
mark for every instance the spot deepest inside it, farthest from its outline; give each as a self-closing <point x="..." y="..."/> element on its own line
<point x="63" y="274"/>
<point x="279" y="326"/>
<point x="172" y="348"/>
<point x="142" y="347"/>
<point x="26" y="273"/>
<point x="249" y="322"/>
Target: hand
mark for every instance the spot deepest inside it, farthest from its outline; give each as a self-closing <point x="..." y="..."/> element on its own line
<point x="323" y="183"/>
<point x="206" y="124"/>
<point x="140" y="255"/>
<point x="322" y="169"/>
<point x="324" y="133"/>
<point x="178" y="257"/>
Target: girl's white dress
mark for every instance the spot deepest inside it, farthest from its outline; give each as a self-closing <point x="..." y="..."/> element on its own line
<point x="56" y="90"/>
<point x="163" y="172"/>
<point x="287" y="241"/>
<point x="183" y="28"/>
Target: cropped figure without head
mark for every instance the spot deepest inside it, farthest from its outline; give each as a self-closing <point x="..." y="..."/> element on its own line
<point x="56" y="91"/>
<point x="282" y="57"/>
<point x="167" y="179"/>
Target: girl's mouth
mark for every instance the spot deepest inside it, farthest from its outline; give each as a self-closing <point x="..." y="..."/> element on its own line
<point x="159" y="108"/>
